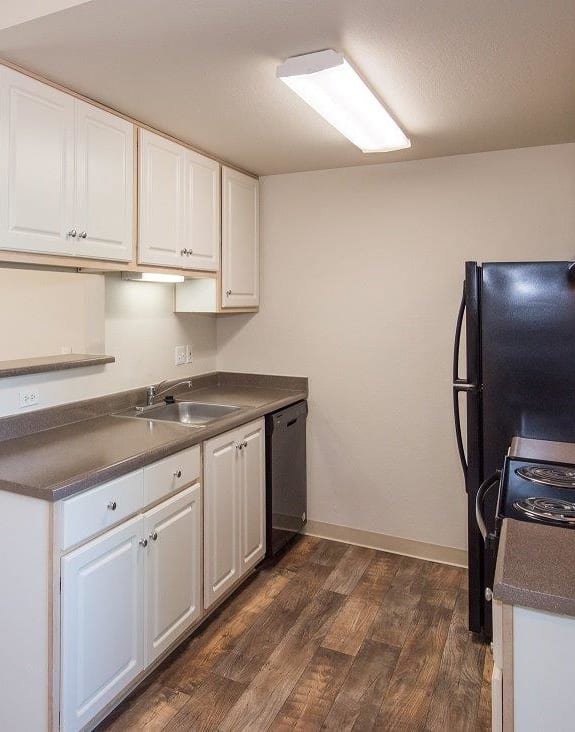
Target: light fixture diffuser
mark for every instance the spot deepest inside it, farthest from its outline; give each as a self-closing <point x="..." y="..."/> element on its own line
<point x="331" y="86"/>
<point x="152" y="277"/>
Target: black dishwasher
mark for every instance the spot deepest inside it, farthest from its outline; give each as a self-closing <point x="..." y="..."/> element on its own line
<point x="286" y="479"/>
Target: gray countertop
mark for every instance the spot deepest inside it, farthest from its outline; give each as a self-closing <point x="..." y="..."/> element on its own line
<point x="536" y="567"/>
<point x="59" y="462"/>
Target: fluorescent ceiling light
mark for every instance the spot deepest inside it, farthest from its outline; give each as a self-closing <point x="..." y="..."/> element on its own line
<point x="152" y="277"/>
<point x="329" y="84"/>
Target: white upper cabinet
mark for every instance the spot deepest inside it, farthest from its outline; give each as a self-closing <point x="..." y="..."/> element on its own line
<point x="161" y="203"/>
<point x="203" y="210"/>
<point x="36" y="166"/>
<point x="66" y="173"/>
<point x="179" y="206"/>
<point x="104" y="184"/>
<point x="240" y="240"/>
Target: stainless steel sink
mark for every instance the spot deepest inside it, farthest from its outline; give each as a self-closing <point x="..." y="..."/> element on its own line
<point x="193" y="413"/>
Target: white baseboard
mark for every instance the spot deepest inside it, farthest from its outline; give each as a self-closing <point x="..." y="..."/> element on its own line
<point x="387" y="543"/>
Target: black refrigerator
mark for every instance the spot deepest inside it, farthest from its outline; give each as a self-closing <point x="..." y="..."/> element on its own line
<point x="519" y="323"/>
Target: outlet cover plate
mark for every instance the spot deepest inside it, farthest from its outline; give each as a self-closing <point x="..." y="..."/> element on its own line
<point x="180" y="355"/>
<point x="29" y="397"/>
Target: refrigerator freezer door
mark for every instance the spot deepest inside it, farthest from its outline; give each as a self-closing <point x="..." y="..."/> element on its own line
<point x="527" y="355"/>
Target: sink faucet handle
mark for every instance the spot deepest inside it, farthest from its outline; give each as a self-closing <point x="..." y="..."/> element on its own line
<point x="153" y="391"/>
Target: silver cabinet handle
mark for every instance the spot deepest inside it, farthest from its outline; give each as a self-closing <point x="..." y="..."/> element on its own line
<point x="154" y="536"/>
<point x="178" y="474"/>
<point x="238" y="445"/>
<point x="245" y="443"/>
<point x="143" y="542"/>
<point x="112" y="505"/>
<point x="73" y="233"/>
<point x="190" y="251"/>
<point x="184" y="252"/>
<point x="82" y="235"/>
<point x="228" y="293"/>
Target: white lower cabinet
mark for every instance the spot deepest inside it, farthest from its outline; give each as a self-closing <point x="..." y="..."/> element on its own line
<point x="173" y="570"/>
<point x="126" y="597"/>
<point x="234" y="520"/>
<point x="253" y="496"/>
<point x="130" y="555"/>
<point x="101" y="622"/>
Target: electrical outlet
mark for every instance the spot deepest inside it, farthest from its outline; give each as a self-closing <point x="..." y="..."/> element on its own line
<point x="29" y="398"/>
<point x="180" y="355"/>
<point x="189" y="353"/>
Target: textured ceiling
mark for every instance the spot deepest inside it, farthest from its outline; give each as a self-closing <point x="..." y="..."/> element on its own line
<point x="460" y="76"/>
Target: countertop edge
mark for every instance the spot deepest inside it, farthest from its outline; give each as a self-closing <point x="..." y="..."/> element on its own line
<point x="79" y="483"/>
<point x="25" y="367"/>
<point x="511" y="592"/>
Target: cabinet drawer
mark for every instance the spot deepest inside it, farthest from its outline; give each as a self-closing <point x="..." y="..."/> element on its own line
<point x="171" y="474"/>
<point x="97" y="509"/>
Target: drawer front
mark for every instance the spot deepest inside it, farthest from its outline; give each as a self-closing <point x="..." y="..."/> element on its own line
<point x="88" y="513"/>
<point x="171" y="474"/>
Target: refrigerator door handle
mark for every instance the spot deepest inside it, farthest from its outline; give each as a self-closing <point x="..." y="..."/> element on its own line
<point x="460" y="384"/>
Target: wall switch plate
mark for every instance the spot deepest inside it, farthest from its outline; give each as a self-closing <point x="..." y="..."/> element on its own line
<point x="189" y="353"/>
<point x="180" y="355"/>
<point x="29" y="398"/>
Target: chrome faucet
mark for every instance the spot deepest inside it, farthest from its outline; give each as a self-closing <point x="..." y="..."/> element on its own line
<point x="152" y="391"/>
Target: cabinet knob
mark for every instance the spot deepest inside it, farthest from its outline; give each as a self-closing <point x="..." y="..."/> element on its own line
<point x="190" y="251"/>
<point x="178" y="474"/>
<point x="238" y="445"/>
<point x="82" y="235"/>
<point x="228" y="293"/>
<point x="154" y="536"/>
<point x="143" y="542"/>
<point x="112" y="505"/>
<point x="488" y="594"/>
<point x="73" y="233"/>
<point x="184" y="252"/>
<point x="245" y="443"/>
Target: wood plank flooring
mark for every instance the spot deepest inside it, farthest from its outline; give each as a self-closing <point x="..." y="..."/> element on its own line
<point x="330" y="637"/>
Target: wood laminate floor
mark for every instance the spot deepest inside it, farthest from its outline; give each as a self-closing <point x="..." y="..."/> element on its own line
<point x="331" y="637"/>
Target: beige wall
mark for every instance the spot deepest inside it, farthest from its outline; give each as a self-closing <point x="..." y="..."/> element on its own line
<point x="361" y="279"/>
<point x="48" y="313"/>
<point x="140" y="330"/>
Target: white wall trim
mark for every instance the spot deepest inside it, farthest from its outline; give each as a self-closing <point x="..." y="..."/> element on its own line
<point x="387" y="543"/>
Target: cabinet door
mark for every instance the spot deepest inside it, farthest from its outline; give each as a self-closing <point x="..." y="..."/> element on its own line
<point x="173" y="570"/>
<point x="221" y="515"/>
<point x="161" y="202"/>
<point x="36" y="166"/>
<point x="240" y="240"/>
<point x="104" y="184"/>
<point x="101" y="622"/>
<point x="202" y="218"/>
<point x="252" y="495"/>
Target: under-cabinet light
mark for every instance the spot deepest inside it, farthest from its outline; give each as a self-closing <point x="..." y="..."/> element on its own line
<point x="329" y="84"/>
<point x="152" y="277"/>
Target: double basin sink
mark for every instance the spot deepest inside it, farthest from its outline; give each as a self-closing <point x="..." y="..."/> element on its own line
<point x="195" y="414"/>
